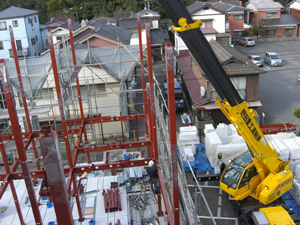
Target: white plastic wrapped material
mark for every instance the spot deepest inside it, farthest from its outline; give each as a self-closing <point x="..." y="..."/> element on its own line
<point x="294" y="148"/>
<point x="297" y="173"/>
<point x="188" y="154"/>
<point x="192" y="147"/>
<point x="222" y="131"/>
<point x="281" y="136"/>
<point x="192" y="129"/>
<point x="281" y="148"/>
<point x="297" y="139"/>
<point x="294" y="163"/>
<point x="212" y="141"/>
<point x="188" y="138"/>
<point x="231" y="130"/>
<point x="208" y="128"/>
<point x="296" y="189"/>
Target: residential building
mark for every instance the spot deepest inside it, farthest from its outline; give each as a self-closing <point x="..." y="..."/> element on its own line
<point x="26" y="28"/>
<point x="62" y="30"/>
<point x="200" y="94"/>
<point x="294" y="8"/>
<point x="267" y="14"/>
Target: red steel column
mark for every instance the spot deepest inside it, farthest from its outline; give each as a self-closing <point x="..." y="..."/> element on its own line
<point x="11" y="182"/>
<point x="172" y="128"/>
<point x="9" y="98"/>
<point x="13" y="46"/>
<point x="60" y="103"/>
<point x="142" y="66"/>
<point x="151" y="94"/>
<point x="55" y="175"/>
<point x="77" y="81"/>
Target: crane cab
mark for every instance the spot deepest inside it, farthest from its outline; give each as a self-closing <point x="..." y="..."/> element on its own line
<point x="240" y="177"/>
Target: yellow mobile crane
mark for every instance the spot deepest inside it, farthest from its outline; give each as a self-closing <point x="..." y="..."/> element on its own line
<point x="259" y="172"/>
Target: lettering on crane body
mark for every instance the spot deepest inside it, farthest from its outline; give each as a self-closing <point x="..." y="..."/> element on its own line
<point x="250" y="125"/>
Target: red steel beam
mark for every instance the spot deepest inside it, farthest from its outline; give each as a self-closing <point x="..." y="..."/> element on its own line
<point x="79" y="170"/>
<point x="10" y="104"/>
<point x="114" y="146"/>
<point x="55" y="175"/>
<point x="172" y="129"/>
<point x="151" y="95"/>
<point x="13" y="46"/>
<point x="163" y="190"/>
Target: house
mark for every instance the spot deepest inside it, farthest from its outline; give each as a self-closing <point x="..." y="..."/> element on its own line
<point x="26" y="28"/>
<point x="104" y="76"/>
<point x="267" y="15"/>
<point x="200" y="94"/>
<point x="62" y="30"/>
<point x="108" y="20"/>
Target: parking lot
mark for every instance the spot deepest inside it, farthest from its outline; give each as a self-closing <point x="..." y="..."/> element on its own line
<point x="279" y="90"/>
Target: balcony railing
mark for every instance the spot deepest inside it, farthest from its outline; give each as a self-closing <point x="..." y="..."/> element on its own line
<point x="20" y="53"/>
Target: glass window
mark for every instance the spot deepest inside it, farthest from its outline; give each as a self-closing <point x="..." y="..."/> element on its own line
<point x="3" y="26"/>
<point x="238" y="17"/>
<point x="207" y="24"/>
<point x="249" y="173"/>
<point x="270" y="33"/>
<point x="135" y="35"/>
<point x="288" y="32"/>
<point x="1" y="45"/>
<point x="33" y="41"/>
<point x="271" y="14"/>
<point x="238" y="33"/>
<point x="35" y="20"/>
<point x="15" y="23"/>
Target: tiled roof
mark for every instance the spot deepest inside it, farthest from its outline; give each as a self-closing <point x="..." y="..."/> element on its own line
<point x="209" y="31"/>
<point x="110" y="32"/>
<point x="195" y="6"/>
<point x="131" y="23"/>
<point x="74" y="26"/>
<point x="192" y="83"/>
<point x="55" y="23"/>
<point x="15" y="12"/>
<point x="227" y="7"/>
<point x="159" y="36"/>
<point x="286" y="19"/>
<point x="290" y="3"/>
<point x="265" y="4"/>
<point x="104" y="19"/>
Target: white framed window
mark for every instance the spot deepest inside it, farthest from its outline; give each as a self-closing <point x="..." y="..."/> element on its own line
<point x="238" y="32"/>
<point x="135" y="35"/>
<point x="207" y="24"/>
<point x="3" y="26"/>
<point x="15" y="23"/>
<point x="271" y="14"/>
<point x="238" y="82"/>
<point x="238" y="17"/>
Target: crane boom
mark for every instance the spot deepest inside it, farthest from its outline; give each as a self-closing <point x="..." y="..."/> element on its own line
<point x="268" y="175"/>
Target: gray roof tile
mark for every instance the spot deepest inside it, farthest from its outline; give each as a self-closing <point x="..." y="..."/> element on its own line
<point x="74" y="26"/>
<point x="159" y="36"/>
<point x="15" y="12"/>
<point x="286" y="19"/>
<point x="265" y="4"/>
<point x="131" y="23"/>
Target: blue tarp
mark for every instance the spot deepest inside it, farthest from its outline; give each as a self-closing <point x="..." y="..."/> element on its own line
<point x="201" y="162"/>
<point x="291" y="203"/>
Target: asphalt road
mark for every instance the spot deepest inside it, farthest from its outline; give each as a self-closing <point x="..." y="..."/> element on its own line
<point x="279" y="90"/>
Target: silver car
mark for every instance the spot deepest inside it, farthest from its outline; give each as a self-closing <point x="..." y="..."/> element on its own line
<point x="256" y="59"/>
<point x="273" y="59"/>
<point x="246" y="41"/>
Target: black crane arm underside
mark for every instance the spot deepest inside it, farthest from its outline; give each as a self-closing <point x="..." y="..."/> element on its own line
<point x="202" y="52"/>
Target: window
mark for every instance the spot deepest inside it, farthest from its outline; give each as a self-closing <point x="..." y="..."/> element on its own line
<point x="270" y="33"/>
<point x="3" y="26"/>
<point x="206" y="24"/>
<point x="15" y="23"/>
<point x="30" y="21"/>
<point x="271" y="14"/>
<point x="1" y="45"/>
<point x="238" y="33"/>
<point x="288" y="32"/>
<point x="135" y="35"/>
<point x="238" y="82"/>
<point x="33" y="41"/>
<point x="297" y="11"/>
<point x="19" y="44"/>
<point x="35" y="20"/>
<point x="249" y="173"/>
<point x="238" y="17"/>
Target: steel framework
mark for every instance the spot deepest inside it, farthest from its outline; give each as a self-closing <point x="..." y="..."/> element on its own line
<point x="78" y="128"/>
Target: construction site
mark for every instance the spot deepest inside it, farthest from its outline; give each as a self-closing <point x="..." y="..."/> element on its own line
<point x="93" y="139"/>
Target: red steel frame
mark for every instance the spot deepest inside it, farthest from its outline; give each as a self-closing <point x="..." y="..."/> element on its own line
<point x="73" y="169"/>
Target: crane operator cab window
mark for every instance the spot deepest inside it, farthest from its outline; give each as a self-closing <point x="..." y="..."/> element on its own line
<point x="235" y="170"/>
<point x="249" y="173"/>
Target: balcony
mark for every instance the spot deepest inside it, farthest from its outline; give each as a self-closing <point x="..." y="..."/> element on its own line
<point x="20" y="53"/>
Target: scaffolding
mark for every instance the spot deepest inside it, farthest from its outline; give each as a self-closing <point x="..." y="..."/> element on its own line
<point x="83" y="100"/>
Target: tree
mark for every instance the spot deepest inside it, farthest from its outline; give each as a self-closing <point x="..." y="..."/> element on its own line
<point x="257" y="26"/>
<point x="296" y="112"/>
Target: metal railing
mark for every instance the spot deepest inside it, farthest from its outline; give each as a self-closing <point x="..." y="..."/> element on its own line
<point x="20" y="53"/>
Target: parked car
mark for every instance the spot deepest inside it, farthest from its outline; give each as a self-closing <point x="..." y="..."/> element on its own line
<point x="273" y="59"/>
<point x="256" y="59"/>
<point x="246" y="41"/>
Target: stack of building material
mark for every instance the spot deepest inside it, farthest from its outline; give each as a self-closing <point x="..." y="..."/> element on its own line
<point x="188" y="139"/>
<point x="295" y="191"/>
<point x="112" y="200"/>
<point x="294" y="148"/>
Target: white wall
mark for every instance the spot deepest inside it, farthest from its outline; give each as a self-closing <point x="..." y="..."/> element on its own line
<point x="19" y="34"/>
<point x="217" y="17"/>
<point x="135" y="41"/>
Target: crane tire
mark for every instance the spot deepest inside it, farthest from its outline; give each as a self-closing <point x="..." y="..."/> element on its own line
<point x="243" y="220"/>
